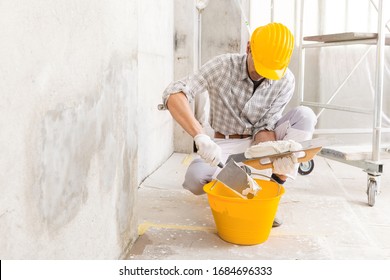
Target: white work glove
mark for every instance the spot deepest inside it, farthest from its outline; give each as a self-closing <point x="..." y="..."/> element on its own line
<point x="285" y="165"/>
<point x="267" y="148"/>
<point x="208" y="149"/>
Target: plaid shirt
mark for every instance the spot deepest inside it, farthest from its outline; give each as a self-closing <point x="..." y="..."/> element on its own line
<point x="234" y="107"/>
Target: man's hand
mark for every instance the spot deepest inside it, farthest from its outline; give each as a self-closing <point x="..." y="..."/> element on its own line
<point x="285" y="165"/>
<point x="208" y="149"/>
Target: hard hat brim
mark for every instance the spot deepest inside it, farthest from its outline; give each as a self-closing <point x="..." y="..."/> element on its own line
<point x="272" y="74"/>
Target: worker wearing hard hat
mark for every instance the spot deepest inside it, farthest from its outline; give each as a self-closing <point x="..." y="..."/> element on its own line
<point x="248" y="93"/>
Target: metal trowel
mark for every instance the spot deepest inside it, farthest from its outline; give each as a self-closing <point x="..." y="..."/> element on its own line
<point x="235" y="178"/>
<point x="309" y="149"/>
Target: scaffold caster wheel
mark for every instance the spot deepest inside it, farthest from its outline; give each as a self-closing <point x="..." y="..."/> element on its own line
<point x="372" y="191"/>
<point x="306" y="168"/>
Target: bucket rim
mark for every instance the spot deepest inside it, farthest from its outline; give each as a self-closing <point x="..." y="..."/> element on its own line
<point x="207" y="190"/>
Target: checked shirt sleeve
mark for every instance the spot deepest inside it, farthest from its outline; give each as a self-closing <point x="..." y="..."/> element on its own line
<point x="196" y="83"/>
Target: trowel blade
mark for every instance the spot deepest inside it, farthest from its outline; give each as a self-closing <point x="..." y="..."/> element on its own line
<point x="234" y="177"/>
<point x="308" y="144"/>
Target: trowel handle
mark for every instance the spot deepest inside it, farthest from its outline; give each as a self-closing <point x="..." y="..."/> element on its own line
<point x="221" y="165"/>
<point x="257" y="164"/>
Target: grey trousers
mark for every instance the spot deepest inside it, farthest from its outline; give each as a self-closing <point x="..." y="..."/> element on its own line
<point x="297" y="124"/>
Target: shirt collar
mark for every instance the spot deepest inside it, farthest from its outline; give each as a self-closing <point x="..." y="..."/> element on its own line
<point x="244" y="72"/>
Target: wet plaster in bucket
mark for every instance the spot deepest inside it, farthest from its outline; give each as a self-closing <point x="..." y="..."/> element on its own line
<point x="104" y="128"/>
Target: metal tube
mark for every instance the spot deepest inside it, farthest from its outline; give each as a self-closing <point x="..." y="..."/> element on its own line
<point x="347" y="131"/>
<point x="301" y="70"/>
<point x="345" y="80"/>
<point x="380" y="55"/>
<point x="243" y="16"/>
<point x="199" y="60"/>
<point x="338" y="107"/>
<point x="376" y="8"/>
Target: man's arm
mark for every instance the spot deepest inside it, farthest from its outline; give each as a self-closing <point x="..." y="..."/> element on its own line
<point x="180" y="110"/>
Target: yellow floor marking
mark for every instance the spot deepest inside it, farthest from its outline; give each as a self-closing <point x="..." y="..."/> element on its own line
<point x="142" y="228"/>
<point x="187" y="159"/>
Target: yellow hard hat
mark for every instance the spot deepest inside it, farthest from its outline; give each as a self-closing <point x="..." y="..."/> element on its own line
<point x="272" y="46"/>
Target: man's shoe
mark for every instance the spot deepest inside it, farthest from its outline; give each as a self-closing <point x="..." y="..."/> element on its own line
<point x="277" y="222"/>
<point x="277" y="179"/>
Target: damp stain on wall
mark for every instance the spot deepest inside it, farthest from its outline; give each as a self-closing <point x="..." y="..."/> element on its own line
<point x="103" y="127"/>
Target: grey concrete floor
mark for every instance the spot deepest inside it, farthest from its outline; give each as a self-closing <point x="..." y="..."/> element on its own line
<point x="325" y="217"/>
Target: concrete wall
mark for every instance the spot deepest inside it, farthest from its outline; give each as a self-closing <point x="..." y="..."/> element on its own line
<point x="185" y="30"/>
<point x="155" y="72"/>
<point x="222" y="30"/>
<point x="79" y="84"/>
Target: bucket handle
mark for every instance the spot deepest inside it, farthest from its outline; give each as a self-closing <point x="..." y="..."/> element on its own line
<point x="270" y="178"/>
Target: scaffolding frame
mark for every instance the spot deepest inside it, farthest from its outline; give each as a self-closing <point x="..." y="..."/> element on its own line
<point x="373" y="166"/>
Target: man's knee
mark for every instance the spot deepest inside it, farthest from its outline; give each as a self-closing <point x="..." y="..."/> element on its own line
<point x="198" y="174"/>
<point x="303" y="118"/>
<point x="193" y="184"/>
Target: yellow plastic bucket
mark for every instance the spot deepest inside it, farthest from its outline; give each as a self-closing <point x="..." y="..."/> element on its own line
<point x="244" y="221"/>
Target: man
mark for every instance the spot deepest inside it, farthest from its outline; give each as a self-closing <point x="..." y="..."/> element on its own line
<point x="248" y="93"/>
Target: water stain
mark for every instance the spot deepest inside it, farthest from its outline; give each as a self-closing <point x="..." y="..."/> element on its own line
<point x="73" y="136"/>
